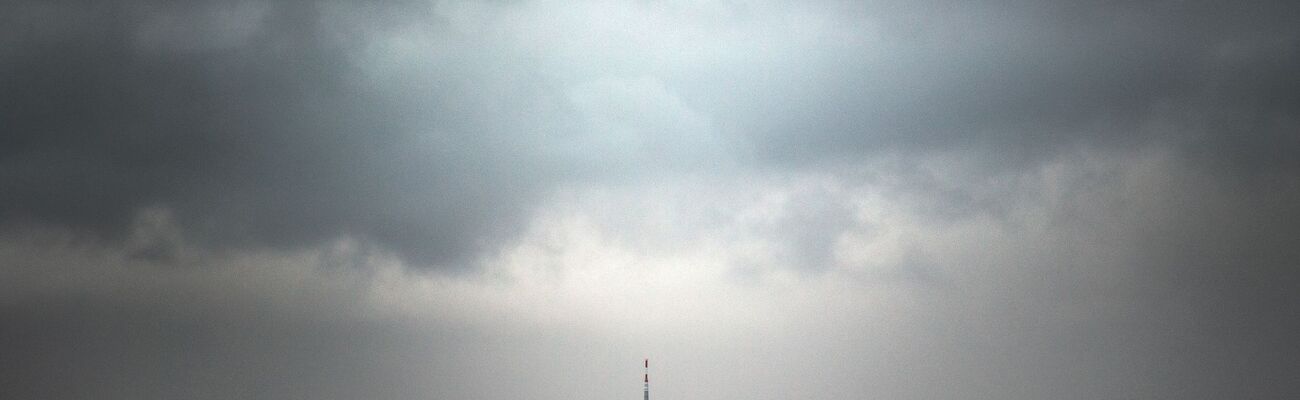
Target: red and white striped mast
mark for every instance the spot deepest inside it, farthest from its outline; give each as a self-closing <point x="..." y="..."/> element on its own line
<point x="647" y="379"/>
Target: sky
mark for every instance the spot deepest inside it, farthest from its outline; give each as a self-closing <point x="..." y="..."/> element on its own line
<point x="410" y="199"/>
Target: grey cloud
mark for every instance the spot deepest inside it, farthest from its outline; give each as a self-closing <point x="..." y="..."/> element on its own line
<point x="1024" y="82"/>
<point x="432" y="127"/>
<point x="255" y="132"/>
<point x="87" y="320"/>
<point x="1101" y="199"/>
<point x="1142" y="281"/>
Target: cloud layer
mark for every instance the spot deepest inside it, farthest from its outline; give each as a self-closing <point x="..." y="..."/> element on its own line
<point x="460" y="199"/>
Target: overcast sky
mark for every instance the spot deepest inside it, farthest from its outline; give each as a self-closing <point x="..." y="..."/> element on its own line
<point x="408" y="199"/>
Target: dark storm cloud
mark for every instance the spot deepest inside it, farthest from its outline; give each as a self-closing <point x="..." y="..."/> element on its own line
<point x="257" y="124"/>
<point x="247" y="120"/>
<point x="1025" y="81"/>
<point x="1007" y="199"/>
